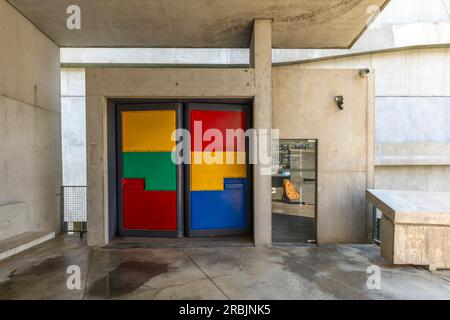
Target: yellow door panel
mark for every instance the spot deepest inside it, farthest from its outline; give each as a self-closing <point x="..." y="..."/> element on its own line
<point x="148" y="131"/>
<point x="208" y="176"/>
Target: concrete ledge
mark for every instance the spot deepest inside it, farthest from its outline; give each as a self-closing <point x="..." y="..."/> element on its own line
<point x="415" y="228"/>
<point x="412" y="154"/>
<point x="412" y="207"/>
<point x="22" y="242"/>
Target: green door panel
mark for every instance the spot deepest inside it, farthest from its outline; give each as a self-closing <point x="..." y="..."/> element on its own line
<point x="157" y="168"/>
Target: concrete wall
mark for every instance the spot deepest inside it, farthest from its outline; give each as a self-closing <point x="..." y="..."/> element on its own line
<point x="30" y="127"/>
<point x="412" y="98"/>
<point x="304" y="108"/>
<point x="73" y="121"/>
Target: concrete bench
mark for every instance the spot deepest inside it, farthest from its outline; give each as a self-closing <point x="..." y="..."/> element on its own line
<point x="415" y="227"/>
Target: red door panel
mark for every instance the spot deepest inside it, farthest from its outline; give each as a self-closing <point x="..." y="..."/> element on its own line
<point x="220" y="120"/>
<point x="148" y="210"/>
<point x="133" y="184"/>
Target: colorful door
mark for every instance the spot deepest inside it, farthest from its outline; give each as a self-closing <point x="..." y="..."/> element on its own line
<point x="149" y="192"/>
<point x="217" y="180"/>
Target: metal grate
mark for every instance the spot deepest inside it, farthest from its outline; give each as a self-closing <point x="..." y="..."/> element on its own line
<point x="377" y="216"/>
<point x="74" y="209"/>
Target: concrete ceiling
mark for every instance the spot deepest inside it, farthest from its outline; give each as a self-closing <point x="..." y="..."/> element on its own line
<point x="297" y="24"/>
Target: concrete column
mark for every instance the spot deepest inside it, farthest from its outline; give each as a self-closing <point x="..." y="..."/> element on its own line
<point x="261" y="61"/>
<point x="97" y="168"/>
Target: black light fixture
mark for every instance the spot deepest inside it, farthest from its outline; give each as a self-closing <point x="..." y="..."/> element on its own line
<point x="340" y="102"/>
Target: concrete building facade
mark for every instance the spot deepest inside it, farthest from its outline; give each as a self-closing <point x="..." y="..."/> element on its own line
<point x="411" y="128"/>
<point x="338" y="103"/>
<point x="361" y="147"/>
<point x="411" y="95"/>
<point x="255" y="84"/>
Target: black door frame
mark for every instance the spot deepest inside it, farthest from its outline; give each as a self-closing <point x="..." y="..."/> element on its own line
<point x="114" y="106"/>
<point x="316" y="196"/>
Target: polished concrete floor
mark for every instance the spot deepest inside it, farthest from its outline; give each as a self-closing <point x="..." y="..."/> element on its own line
<point x="227" y="272"/>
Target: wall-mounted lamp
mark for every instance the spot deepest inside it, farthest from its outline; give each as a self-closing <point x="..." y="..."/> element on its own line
<point x="340" y="102"/>
<point x="364" y="73"/>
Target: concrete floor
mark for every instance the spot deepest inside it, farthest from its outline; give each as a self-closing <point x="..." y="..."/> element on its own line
<point x="239" y="272"/>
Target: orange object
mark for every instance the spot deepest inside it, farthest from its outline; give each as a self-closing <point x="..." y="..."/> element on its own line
<point x="289" y="191"/>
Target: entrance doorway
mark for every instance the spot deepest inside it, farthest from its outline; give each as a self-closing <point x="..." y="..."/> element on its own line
<point x="159" y="196"/>
<point x="294" y="191"/>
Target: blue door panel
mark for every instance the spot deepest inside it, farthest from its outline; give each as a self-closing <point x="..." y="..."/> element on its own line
<point x="219" y="209"/>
